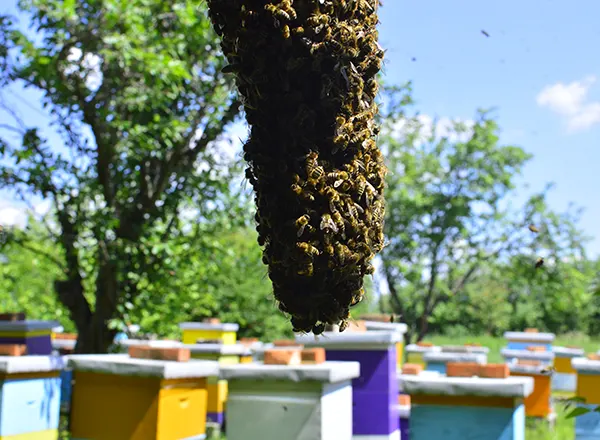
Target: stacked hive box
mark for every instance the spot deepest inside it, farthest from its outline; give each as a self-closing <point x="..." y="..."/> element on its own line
<point x="118" y="397"/>
<point x="36" y="335"/>
<point x="273" y="402"/>
<point x="523" y="340"/>
<point x="213" y="330"/>
<point x="565" y="376"/>
<point x="437" y="361"/>
<point x="225" y="354"/>
<point x="375" y="391"/>
<point x="539" y="402"/>
<point x="64" y="344"/>
<point x="587" y="426"/>
<point x="391" y="326"/>
<point x="458" y="408"/>
<point x="29" y="397"/>
<point x="415" y="352"/>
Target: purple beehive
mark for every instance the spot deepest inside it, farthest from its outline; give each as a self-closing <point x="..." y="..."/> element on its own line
<point x="36" y="335"/>
<point x="375" y="392"/>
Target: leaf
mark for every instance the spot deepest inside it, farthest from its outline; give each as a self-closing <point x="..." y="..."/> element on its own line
<point x="576" y="412"/>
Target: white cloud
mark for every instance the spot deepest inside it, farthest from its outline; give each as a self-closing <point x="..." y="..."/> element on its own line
<point x="570" y="101"/>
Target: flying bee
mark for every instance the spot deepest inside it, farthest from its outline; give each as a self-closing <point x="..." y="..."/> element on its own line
<point x="548" y="370"/>
<point x="301" y="223"/>
<point x="327" y="223"/>
<point x="308" y="249"/>
<point x="533" y="228"/>
<point x="539" y="263"/>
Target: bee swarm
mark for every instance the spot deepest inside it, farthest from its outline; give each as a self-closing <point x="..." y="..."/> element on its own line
<point x="306" y="71"/>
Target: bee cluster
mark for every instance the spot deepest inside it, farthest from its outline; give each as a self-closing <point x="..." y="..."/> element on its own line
<point x="306" y="71"/>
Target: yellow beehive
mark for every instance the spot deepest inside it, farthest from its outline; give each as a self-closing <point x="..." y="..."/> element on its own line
<point x="117" y="397"/>
<point x="194" y="331"/>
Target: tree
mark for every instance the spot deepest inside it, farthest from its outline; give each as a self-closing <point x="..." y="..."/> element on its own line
<point x="444" y="208"/>
<point x="136" y="92"/>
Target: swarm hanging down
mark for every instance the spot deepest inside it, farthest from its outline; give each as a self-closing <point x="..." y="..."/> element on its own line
<point x="306" y="70"/>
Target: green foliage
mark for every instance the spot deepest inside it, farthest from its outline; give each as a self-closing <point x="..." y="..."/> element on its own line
<point x="459" y="256"/>
<point x="136" y="92"/>
<point x="25" y="282"/>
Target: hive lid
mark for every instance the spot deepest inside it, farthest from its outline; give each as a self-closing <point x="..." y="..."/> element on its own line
<point x="30" y="364"/>
<point x="27" y="326"/>
<point x="540" y="370"/>
<point x="221" y="349"/>
<point x="329" y="372"/>
<point x="466" y="386"/>
<point x="389" y="326"/>
<point x="479" y="358"/>
<point x="585" y="365"/>
<point x="224" y="326"/>
<point x="508" y="353"/>
<point x="371" y="340"/>
<point x="568" y="352"/>
<point x="529" y="337"/>
<point x="123" y="365"/>
<point x="414" y="348"/>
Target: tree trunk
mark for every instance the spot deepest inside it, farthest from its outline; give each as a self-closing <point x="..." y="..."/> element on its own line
<point x="94" y="338"/>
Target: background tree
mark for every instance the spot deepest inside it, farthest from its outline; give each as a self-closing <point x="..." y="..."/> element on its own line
<point x="136" y="92"/>
<point x="449" y="224"/>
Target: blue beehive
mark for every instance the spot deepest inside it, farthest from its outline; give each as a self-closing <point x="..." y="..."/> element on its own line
<point x="29" y="397"/>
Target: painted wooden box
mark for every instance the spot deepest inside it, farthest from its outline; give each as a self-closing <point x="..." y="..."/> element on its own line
<point x="193" y="331"/>
<point x="437" y="361"/>
<point x="459" y="408"/>
<point x="225" y="354"/>
<point x="391" y="326"/>
<point x="274" y="402"/>
<point x="36" y="335"/>
<point x="565" y="376"/>
<point x="375" y="391"/>
<point x="539" y="402"/>
<point x="117" y="397"/>
<point x="414" y="353"/>
<point x="587" y="426"/>
<point x="522" y="340"/>
<point x="29" y="397"/>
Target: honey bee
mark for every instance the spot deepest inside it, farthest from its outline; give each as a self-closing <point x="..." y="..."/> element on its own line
<point x="317" y="19"/>
<point x="329" y="250"/>
<point x="278" y="13"/>
<point x="307" y="270"/>
<point x="333" y="197"/>
<point x="369" y="269"/>
<point x="299" y="191"/>
<point x="298" y="31"/>
<point x="313" y="169"/>
<point x="286" y="32"/>
<point x="339" y="177"/>
<point x="343" y="325"/>
<point x="359" y="137"/>
<point x="301" y="223"/>
<point x="533" y="228"/>
<point x="539" y="263"/>
<point x="339" y="221"/>
<point x="361" y="184"/>
<point x="327" y="223"/>
<point x="308" y="249"/>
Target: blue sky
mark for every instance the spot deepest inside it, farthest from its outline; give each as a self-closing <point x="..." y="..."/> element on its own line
<point x="537" y="68"/>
